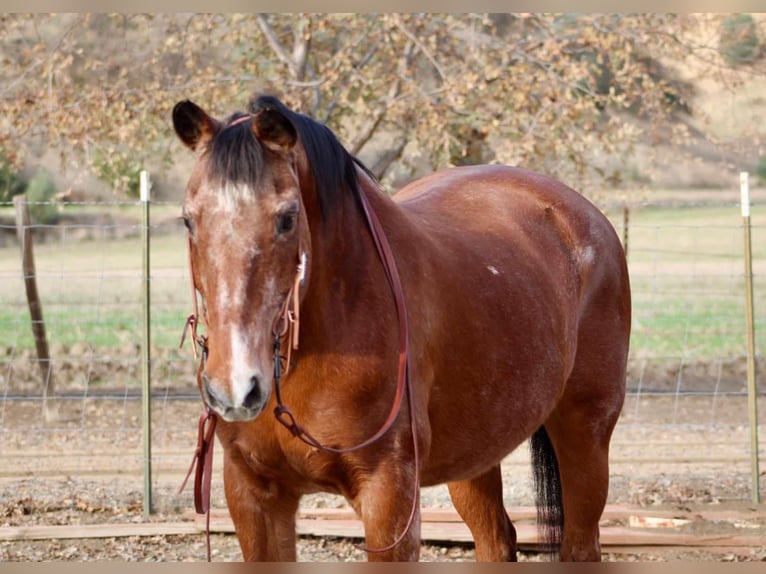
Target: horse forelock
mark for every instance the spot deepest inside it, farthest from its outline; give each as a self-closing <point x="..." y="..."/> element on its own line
<point x="235" y="158"/>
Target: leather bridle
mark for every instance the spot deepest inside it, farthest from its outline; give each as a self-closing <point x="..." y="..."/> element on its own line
<point x="286" y="328"/>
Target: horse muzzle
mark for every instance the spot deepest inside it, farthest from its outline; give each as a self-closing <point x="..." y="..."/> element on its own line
<point x="245" y="400"/>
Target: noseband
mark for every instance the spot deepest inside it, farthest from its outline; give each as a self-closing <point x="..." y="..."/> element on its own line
<point x="286" y="328"/>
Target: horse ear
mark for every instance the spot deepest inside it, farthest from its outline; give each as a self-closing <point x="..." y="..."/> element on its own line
<point x="274" y="130"/>
<point x="192" y="124"/>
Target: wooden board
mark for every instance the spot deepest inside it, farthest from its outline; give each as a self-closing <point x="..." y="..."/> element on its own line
<point x="43" y="532"/>
<point x="520" y="513"/>
<point x="439" y="526"/>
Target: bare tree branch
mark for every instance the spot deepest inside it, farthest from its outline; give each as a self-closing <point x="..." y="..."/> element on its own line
<point x="387" y="158"/>
<point x="421" y="47"/>
<point x="301" y="48"/>
<point x="365" y="134"/>
<point x="276" y="46"/>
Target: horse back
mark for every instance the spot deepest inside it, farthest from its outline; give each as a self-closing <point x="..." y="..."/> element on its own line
<point x="518" y="218"/>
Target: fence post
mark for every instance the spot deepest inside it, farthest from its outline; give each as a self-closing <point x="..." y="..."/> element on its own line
<point x="24" y="233"/>
<point x="146" y="387"/>
<point x="751" y="387"/>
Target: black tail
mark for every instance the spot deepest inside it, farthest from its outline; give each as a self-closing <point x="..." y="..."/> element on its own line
<point x="545" y="472"/>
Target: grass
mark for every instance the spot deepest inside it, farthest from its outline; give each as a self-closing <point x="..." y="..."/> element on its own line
<point x="688" y="280"/>
<point x="686" y="266"/>
<point x="91" y="291"/>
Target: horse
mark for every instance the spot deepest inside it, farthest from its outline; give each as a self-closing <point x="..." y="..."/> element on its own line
<point x="401" y="340"/>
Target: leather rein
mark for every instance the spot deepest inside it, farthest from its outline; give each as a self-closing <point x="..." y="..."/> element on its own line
<point x="286" y="327"/>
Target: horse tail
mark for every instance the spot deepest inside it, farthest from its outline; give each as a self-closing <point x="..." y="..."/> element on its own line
<point x="547" y="482"/>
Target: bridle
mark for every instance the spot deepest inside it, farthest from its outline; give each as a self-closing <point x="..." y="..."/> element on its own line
<point x="286" y="327"/>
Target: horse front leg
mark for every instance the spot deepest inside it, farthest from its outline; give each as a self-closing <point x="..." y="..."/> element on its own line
<point x="263" y="515"/>
<point x="479" y="501"/>
<point x="385" y="503"/>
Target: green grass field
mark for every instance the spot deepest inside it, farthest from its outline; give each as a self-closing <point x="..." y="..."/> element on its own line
<point x="688" y="280"/>
<point x="686" y="265"/>
<point x="92" y="291"/>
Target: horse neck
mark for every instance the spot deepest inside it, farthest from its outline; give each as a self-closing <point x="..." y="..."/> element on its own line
<point x="346" y="268"/>
<point x="343" y="233"/>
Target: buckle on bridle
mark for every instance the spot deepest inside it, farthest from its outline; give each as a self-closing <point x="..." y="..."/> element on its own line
<point x="197" y="340"/>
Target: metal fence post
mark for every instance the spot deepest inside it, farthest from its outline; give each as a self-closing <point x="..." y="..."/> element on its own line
<point x="146" y="391"/>
<point x="752" y="394"/>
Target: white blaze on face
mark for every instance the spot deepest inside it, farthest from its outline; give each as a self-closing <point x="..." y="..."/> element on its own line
<point x="232" y="237"/>
<point x="247" y="316"/>
<point x="231" y="295"/>
<point x="243" y="367"/>
<point x="250" y="348"/>
<point x="231" y="197"/>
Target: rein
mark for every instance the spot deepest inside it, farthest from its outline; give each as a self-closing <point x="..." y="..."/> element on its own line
<point x="286" y="326"/>
<point x="203" y="454"/>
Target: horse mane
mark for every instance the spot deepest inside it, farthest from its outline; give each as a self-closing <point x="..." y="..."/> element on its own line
<point x="234" y="155"/>
<point x="237" y="158"/>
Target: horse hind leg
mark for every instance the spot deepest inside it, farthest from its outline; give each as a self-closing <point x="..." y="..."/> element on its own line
<point x="479" y="501"/>
<point x="580" y="429"/>
<point x="581" y="424"/>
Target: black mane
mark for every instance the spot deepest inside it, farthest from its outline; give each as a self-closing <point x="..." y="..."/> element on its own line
<point x="236" y="157"/>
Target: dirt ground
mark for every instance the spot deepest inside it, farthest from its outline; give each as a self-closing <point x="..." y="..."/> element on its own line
<point x="102" y="501"/>
<point x="86" y="468"/>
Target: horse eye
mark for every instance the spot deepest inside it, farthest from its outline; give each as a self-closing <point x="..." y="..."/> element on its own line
<point x="188" y="223"/>
<point x="286" y="221"/>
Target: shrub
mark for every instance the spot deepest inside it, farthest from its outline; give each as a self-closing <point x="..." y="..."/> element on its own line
<point x="760" y="170"/>
<point x="10" y="182"/>
<point x="40" y="191"/>
<point x="738" y="41"/>
<point x="118" y="171"/>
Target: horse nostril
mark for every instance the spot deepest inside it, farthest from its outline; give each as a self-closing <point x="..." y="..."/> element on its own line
<point x="207" y="392"/>
<point x="253" y="397"/>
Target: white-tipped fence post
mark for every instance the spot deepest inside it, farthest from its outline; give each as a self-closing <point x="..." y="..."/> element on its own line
<point x="146" y="387"/>
<point x="752" y="391"/>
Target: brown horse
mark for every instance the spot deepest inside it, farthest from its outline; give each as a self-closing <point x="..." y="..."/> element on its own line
<point x="501" y="312"/>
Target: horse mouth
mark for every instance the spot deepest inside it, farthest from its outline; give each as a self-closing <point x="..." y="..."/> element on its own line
<point x="236" y="414"/>
<point x="252" y="407"/>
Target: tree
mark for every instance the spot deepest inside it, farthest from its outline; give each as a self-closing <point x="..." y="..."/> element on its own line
<point x="559" y="93"/>
<point x="739" y="41"/>
<point x="10" y="182"/>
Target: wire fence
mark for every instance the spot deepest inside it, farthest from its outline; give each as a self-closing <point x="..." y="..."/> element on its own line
<point x="684" y="431"/>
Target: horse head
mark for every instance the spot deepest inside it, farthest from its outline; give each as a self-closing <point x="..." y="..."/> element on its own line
<point x="249" y="245"/>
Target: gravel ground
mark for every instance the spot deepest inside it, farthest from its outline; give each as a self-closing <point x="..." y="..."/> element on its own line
<point x="80" y="502"/>
<point x="225" y="549"/>
<point x="70" y="473"/>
